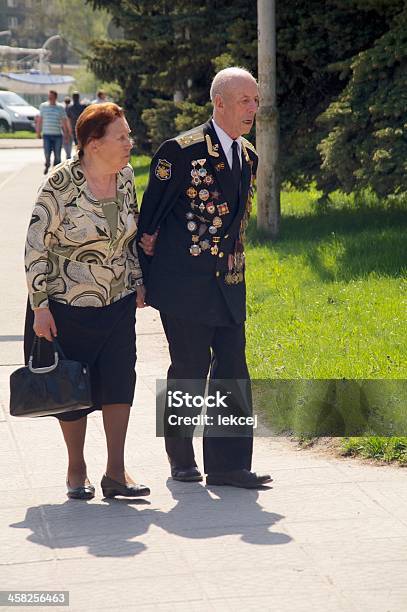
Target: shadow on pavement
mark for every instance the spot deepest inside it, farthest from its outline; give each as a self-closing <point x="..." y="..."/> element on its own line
<point x="111" y="528"/>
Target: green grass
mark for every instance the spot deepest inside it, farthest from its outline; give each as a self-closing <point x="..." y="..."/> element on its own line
<point x="328" y="299"/>
<point x="141" y="166"/>
<point x="382" y="449"/>
<point x="22" y="134"/>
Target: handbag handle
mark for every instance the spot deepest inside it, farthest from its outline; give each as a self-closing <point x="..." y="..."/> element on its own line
<point x="45" y="369"/>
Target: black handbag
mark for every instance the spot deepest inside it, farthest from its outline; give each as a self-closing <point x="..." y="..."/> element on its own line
<point x="63" y="386"/>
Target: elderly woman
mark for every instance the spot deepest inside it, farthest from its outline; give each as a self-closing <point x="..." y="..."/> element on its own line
<point x="84" y="282"/>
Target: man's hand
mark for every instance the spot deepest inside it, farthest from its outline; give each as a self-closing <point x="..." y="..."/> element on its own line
<point x="140" y="296"/>
<point x="44" y="324"/>
<point x="147" y="243"/>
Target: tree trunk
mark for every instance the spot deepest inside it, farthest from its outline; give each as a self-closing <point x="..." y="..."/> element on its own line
<point x="268" y="188"/>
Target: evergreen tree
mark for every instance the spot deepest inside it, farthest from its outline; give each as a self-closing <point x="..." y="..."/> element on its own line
<point x="325" y="50"/>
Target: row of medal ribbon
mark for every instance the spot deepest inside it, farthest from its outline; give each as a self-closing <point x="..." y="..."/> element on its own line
<point x="198" y="224"/>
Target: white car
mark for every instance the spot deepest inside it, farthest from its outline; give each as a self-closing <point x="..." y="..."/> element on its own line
<point x="16" y="113"/>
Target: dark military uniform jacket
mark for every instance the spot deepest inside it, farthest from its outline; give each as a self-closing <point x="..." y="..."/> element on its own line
<point x="197" y="271"/>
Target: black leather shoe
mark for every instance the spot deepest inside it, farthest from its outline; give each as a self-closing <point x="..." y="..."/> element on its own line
<point x="238" y="478"/>
<point x="86" y="491"/>
<point x="191" y="474"/>
<point x="111" y="488"/>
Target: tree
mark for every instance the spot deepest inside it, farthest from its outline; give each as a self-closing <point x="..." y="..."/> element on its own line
<point x="367" y="141"/>
<point x="164" y="62"/>
<point x="74" y="20"/>
<point x="170" y="52"/>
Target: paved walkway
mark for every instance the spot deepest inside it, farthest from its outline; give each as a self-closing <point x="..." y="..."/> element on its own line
<point x="330" y="536"/>
<point x="20" y="143"/>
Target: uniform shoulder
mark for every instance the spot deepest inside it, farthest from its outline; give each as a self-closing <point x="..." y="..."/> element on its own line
<point x="186" y="139"/>
<point x="248" y="145"/>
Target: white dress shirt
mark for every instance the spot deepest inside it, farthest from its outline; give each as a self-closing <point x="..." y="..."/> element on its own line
<point x="226" y="143"/>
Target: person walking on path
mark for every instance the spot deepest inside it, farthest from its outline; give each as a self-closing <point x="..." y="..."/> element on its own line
<point x="101" y="97"/>
<point x="67" y="143"/>
<point x="198" y="200"/>
<point x="84" y="282"/>
<point x="73" y="112"/>
<point x="53" y="125"/>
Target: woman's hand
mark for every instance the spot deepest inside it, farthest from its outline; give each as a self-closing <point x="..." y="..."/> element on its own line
<point x="147" y="243"/>
<point x="44" y="324"/>
<point x="141" y="294"/>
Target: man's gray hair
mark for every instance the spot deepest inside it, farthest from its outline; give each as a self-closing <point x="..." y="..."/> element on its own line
<point x="222" y="79"/>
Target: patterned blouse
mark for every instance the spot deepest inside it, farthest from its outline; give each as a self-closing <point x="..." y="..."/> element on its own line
<point x="81" y="251"/>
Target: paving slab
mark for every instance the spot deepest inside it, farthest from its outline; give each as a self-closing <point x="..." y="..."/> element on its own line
<point x="330" y="535"/>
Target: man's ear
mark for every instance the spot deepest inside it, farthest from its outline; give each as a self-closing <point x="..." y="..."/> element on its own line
<point x="218" y="103"/>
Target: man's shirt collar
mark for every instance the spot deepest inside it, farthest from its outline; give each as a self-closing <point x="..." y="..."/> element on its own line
<point x="226" y="142"/>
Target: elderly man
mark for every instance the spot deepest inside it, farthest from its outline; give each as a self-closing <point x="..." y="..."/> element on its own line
<point x="193" y="218"/>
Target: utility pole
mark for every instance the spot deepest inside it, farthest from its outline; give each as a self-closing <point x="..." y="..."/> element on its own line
<point x="267" y="140"/>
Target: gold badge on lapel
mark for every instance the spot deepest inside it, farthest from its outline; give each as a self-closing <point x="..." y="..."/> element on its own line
<point x="220" y="166"/>
<point x="163" y="170"/>
<point x="212" y="147"/>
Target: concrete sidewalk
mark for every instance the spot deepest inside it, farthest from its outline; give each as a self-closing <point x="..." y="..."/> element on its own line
<point x="330" y="536"/>
<point x="20" y="143"/>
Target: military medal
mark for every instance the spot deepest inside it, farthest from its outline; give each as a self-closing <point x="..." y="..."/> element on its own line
<point x="191" y="225"/>
<point x="201" y="207"/>
<point x="204" y="194"/>
<point x="190" y="215"/>
<point x="208" y="180"/>
<point x="210" y="207"/>
<point x="217" y="222"/>
<point x="223" y="209"/>
<point x="195" y="250"/>
<point x="215" y="195"/>
<point x="220" y="166"/>
<point x="191" y="192"/>
<point x="196" y="181"/>
<point x="214" y="249"/>
<point x="204" y="244"/>
<point x="195" y="238"/>
<point x="212" y="230"/>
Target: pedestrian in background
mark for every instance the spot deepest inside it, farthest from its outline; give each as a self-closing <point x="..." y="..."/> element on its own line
<point x="84" y="283"/>
<point x="52" y="124"/>
<point x="68" y="142"/>
<point x="74" y="111"/>
<point x="100" y="97"/>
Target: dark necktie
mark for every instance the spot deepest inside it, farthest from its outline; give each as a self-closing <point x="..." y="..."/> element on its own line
<point x="236" y="170"/>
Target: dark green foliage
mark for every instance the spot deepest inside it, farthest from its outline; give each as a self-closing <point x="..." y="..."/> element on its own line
<point x="172" y="56"/>
<point x="367" y="141"/>
<point x="341" y="79"/>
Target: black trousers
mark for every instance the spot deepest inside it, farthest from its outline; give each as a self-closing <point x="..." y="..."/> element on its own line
<point x="196" y="350"/>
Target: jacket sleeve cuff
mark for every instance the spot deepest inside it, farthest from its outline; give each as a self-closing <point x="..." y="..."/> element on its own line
<point x="39" y="299"/>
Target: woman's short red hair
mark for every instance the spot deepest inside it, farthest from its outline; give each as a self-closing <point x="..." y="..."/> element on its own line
<point x="93" y="122"/>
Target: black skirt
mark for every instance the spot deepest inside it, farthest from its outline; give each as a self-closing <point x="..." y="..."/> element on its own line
<point x="104" y="338"/>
